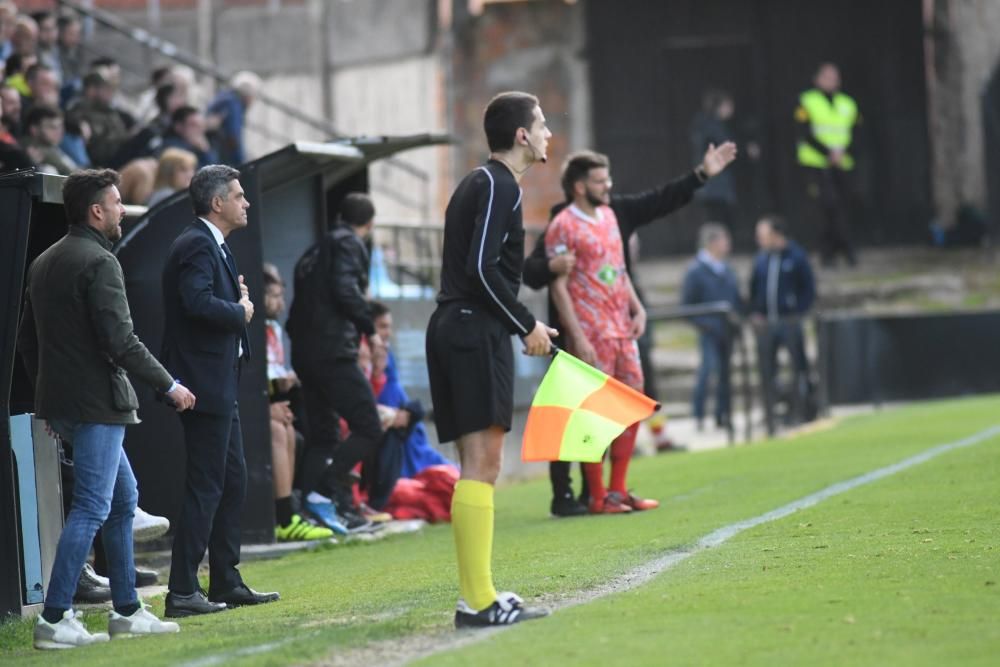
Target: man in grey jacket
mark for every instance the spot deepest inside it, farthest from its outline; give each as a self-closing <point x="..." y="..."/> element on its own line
<point x="77" y="343"/>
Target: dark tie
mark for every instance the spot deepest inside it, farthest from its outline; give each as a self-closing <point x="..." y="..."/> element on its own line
<point x="230" y="260"/>
<point x="231" y="263"/>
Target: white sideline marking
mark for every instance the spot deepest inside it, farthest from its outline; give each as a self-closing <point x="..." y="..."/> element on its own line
<point x="404" y="650"/>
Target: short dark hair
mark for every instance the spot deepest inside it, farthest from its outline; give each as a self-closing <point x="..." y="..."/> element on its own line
<point x="159" y="74"/>
<point x="103" y="61"/>
<point x="181" y="114"/>
<point x="32" y="72"/>
<point x="210" y="182"/>
<point x="356" y="210"/>
<point x="66" y="20"/>
<point x="506" y="113"/>
<point x="40" y="113"/>
<point x="94" y="80"/>
<point x="84" y="188"/>
<point x="378" y="309"/>
<point x="163" y="94"/>
<point x="41" y="16"/>
<point x="576" y="168"/>
<point x="270" y="279"/>
<point x="775" y="222"/>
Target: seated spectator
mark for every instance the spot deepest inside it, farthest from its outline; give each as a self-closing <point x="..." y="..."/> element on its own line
<point x="70" y="53"/>
<point x="138" y="177"/>
<point x="44" y="128"/>
<point x="74" y="142"/>
<point x="148" y="141"/>
<point x="174" y="172"/>
<point x="14" y="72"/>
<point x="228" y="111"/>
<point x="111" y="71"/>
<point x="11" y="100"/>
<point x="187" y="131"/>
<point x="291" y="526"/>
<point x="8" y="20"/>
<point x="47" y="47"/>
<point x="24" y="40"/>
<point x="107" y="128"/>
<point x="12" y="156"/>
<point x="43" y="89"/>
<point x="709" y="279"/>
<point x="146" y="109"/>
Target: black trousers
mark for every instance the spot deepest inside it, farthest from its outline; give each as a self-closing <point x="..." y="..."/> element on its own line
<point x="771" y="338"/>
<point x="214" y="490"/>
<point x="334" y="389"/>
<point x="562" y="480"/>
<point x="832" y="190"/>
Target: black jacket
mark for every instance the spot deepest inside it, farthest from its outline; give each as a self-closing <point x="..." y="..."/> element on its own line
<point x="76" y="335"/>
<point x="203" y="322"/>
<point x="330" y="310"/>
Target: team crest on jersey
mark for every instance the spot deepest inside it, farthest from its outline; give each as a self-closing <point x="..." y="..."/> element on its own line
<point x="607" y="275"/>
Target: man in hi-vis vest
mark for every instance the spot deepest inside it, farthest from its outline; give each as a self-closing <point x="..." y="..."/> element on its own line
<point x="825" y="119"/>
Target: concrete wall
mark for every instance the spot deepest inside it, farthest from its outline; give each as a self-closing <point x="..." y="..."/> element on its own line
<point x="963" y="50"/>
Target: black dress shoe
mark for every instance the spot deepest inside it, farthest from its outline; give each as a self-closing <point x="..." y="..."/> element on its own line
<point x="243" y="595"/>
<point x="179" y="606"/>
<point x="144" y="577"/>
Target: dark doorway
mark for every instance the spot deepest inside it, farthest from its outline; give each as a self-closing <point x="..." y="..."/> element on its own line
<point x="651" y="62"/>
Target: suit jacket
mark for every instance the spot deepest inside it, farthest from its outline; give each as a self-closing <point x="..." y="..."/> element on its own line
<point x="204" y="324"/>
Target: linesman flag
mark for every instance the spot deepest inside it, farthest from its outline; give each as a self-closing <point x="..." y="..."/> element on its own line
<point x="578" y="411"/>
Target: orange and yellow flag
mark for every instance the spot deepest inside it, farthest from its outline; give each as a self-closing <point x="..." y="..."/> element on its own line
<point x="577" y="412"/>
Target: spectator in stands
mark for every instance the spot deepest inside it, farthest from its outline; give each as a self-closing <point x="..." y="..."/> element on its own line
<point x="782" y="291"/>
<point x="43" y="89"/>
<point x="74" y="142"/>
<point x="12" y="156"/>
<point x="44" y="128"/>
<point x="229" y="111"/>
<point x="107" y="128"/>
<point x="14" y="72"/>
<point x="709" y="279"/>
<point x="174" y="172"/>
<point x="70" y="50"/>
<point x="47" y="47"/>
<point x="111" y="71"/>
<point x="8" y="20"/>
<point x="146" y="108"/>
<point x="11" y="100"/>
<point x="290" y="526"/>
<point x="148" y="141"/>
<point x="138" y="177"/>
<point x="187" y="131"/>
<point x="25" y="37"/>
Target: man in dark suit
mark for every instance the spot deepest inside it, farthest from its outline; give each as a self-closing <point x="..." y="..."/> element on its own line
<point x="206" y="310"/>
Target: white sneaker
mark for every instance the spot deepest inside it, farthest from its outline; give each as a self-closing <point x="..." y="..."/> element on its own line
<point x="69" y="632"/>
<point x="92" y="578"/>
<point x="146" y="527"/>
<point x="142" y="622"/>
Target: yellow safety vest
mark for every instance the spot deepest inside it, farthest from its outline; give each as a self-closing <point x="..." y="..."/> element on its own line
<point x="831" y="123"/>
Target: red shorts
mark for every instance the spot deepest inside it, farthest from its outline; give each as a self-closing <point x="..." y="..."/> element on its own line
<point x="619" y="358"/>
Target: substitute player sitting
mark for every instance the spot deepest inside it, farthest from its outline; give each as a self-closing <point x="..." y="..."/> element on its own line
<point x="601" y="314"/>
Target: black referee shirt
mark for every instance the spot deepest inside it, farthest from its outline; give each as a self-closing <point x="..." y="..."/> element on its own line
<point x="484" y="246"/>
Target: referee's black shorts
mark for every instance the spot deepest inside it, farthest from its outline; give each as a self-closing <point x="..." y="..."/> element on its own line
<point x="470" y="361"/>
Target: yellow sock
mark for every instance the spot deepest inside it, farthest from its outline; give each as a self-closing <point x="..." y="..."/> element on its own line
<point x="472" y="522"/>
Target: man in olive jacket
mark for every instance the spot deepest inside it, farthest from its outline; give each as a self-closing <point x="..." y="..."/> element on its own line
<point x="77" y="344"/>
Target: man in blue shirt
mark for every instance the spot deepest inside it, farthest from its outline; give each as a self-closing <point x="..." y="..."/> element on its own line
<point x="709" y="280"/>
<point x="229" y="110"/>
<point x="782" y="291"/>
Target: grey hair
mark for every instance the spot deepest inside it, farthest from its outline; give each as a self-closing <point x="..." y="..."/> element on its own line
<point x="709" y="232"/>
<point x="210" y="182"/>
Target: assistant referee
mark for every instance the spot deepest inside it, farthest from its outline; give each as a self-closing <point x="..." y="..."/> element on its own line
<point x="469" y="355"/>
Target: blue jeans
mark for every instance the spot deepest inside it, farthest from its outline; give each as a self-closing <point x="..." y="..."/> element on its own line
<point x="104" y="493"/>
<point x="714" y="361"/>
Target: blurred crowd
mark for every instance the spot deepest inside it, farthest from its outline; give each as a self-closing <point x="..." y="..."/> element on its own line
<point x="62" y="110"/>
